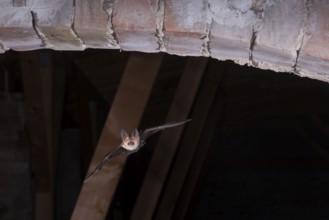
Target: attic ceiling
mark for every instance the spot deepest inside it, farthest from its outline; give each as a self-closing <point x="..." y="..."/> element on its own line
<point x="286" y="36"/>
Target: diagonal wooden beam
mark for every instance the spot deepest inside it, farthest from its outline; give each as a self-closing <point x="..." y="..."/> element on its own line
<point x="168" y="141"/>
<point x="199" y="163"/>
<point x="126" y="111"/>
<point x="184" y="156"/>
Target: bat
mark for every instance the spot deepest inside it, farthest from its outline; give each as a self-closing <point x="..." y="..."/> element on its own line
<point x="132" y="143"/>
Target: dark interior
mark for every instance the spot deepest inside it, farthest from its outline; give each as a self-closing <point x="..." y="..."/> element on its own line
<point x="261" y="140"/>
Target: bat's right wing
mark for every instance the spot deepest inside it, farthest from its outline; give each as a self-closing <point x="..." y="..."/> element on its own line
<point x="116" y="152"/>
<point x="148" y="132"/>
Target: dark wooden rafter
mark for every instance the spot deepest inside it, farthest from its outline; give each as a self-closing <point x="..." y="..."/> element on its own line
<point x="126" y="111"/>
<point x="199" y="164"/>
<point x="88" y="94"/>
<point x="191" y="139"/>
<point x="194" y="163"/>
<point x="168" y="141"/>
<point x="43" y="74"/>
<point x="94" y="71"/>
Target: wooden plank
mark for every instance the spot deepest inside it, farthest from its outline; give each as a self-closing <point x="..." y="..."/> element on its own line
<point x="191" y="138"/>
<point x="168" y="141"/>
<point x="32" y="82"/>
<point x="126" y="112"/>
<point x="199" y="162"/>
<point x="44" y="85"/>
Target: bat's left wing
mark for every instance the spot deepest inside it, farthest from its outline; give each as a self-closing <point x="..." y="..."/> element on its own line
<point x="116" y="152"/>
<point x="148" y="132"/>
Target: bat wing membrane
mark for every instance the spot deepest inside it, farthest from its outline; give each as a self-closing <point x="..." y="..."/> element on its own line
<point x="114" y="153"/>
<point x="148" y="132"/>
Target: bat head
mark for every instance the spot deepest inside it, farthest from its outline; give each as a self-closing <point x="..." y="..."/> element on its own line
<point x="130" y="142"/>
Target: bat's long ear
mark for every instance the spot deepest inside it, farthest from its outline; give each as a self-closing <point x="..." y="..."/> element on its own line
<point x="124" y="135"/>
<point x="135" y="133"/>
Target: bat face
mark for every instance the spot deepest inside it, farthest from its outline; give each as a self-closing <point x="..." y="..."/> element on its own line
<point x="130" y="142"/>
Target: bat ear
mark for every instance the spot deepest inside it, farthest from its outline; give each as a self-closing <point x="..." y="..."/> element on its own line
<point x="124" y="134"/>
<point x="135" y="133"/>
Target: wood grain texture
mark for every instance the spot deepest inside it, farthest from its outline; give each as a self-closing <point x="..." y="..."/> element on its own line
<point x="126" y="112"/>
<point x="184" y="156"/>
<point x="168" y="141"/>
<point x="44" y="86"/>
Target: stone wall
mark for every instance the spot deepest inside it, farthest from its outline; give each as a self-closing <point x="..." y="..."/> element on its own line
<point x="285" y="36"/>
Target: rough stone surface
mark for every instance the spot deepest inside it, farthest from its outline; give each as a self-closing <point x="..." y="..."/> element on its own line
<point x="314" y="54"/>
<point x="92" y="24"/>
<point x="134" y="24"/>
<point x="53" y="21"/>
<point x="232" y="28"/>
<point x="16" y="29"/>
<point x="280" y="35"/>
<point x="185" y="26"/>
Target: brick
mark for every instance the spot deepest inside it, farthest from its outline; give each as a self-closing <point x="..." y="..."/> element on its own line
<point x="185" y="26"/>
<point x="313" y="60"/>
<point x="16" y="28"/>
<point x="93" y="24"/>
<point x="53" y="21"/>
<point x="232" y="29"/>
<point x="280" y="35"/>
<point x="19" y="3"/>
<point x="135" y="25"/>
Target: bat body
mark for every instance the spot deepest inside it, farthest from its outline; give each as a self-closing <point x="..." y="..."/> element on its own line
<point x="132" y="143"/>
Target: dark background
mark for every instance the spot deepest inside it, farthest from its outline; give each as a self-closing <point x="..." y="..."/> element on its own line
<point x="267" y="158"/>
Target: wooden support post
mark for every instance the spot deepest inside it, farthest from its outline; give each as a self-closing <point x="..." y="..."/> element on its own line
<point x="126" y="111"/>
<point x="169" y="139"/>
<point x="86" y="137"/>
<point x="43" y="76"/>
<point x="190" y="140"/>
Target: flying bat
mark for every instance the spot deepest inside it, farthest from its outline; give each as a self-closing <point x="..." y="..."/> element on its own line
<point x="132" y="143"/>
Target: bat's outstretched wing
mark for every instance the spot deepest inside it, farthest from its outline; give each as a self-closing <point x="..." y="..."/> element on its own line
<point x="120" y="150"/>
<point x="116" y="152"/>
<point x="148" y="132"/>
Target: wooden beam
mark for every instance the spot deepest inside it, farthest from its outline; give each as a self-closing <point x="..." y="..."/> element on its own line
<point x="126" y="112"/>
<point x="200" y="160"/>
<point x="191" y="139"/>
<point x="86" y="137"/>
<point x="168" y="141"/>
<point x="43" y="74"/>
